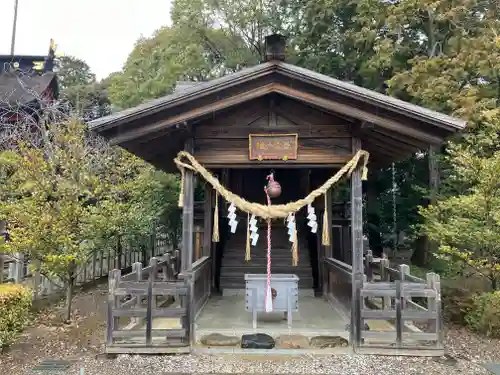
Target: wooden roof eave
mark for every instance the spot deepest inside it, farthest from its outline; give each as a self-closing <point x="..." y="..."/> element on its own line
<point x="183" y="96"/>
<point x="344" y="89"/>
<point x="355" y="92"/>
<point x="305" y="97"/>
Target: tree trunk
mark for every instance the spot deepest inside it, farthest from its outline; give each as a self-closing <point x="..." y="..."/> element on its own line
<point x="69" y="290"/>
<point x="119" y="251"/>
<point x="144" y="254"/>
<point x="423" y="246"/>
<point x="373" y="219"/>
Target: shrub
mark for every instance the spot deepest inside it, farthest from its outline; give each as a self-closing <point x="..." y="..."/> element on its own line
<point x="456" y="301"/>
<point x="15" y="305"/>
<point x="484" y="314"/>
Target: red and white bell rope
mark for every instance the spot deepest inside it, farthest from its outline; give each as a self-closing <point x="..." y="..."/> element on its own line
<point x="268" y="302"/>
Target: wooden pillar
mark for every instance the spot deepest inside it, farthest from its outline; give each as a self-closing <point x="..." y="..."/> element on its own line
<point x="207" y="221"/>
<point x="357" y="246"/>
<point x="324" y="251"/>
<point x="328" y="252"/>
<point x="188" y="215"/>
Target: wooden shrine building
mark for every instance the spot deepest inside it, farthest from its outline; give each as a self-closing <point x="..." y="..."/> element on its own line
<point x="25" y="82"/>
<point x="305" y="127"/>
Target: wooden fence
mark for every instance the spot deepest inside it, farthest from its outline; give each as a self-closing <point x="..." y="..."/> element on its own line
<point x="137" y="301"/>
<point x="17" y="268"/>
<point x="201" y="284"/>
<point x="152" y="310"/>
<point x="411" y="305"/>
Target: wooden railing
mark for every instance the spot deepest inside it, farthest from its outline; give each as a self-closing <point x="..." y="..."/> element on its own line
<point x="410" y="304"/>
<point x="147" y="293"/>
<point x="337" y="282"/>
<point x="201" y="281"/>
<point x="16" y="268"/>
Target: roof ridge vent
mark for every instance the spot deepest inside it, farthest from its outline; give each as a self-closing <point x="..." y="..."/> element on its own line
<point x="275" y="45"/>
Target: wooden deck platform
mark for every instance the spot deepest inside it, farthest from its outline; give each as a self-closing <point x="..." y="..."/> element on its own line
<point x="227" y="315"/>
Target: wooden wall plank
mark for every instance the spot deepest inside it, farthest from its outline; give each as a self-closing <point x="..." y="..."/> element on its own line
<point x="223" y="139"/>
<point x="235" y="151"/>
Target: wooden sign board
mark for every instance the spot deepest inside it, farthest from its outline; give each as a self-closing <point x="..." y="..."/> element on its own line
<point x="273" y="146"/>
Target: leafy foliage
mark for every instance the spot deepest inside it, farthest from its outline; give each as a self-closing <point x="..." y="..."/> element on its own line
<point x="89" y="101"/>
<point x="15" y="305"/>
<point x="172" y="54"/>
<point x="72" y="71"/>
<point x="65" y="200"/>
<point x="45" y="200"/>
<point x="466" y="225"/>
<point x="81" y="93"/>
<point x="438" y="54"/>
<point x="484" y="314"/>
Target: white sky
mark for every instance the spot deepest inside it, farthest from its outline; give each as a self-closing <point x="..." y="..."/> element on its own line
<point x="101" y="32"/>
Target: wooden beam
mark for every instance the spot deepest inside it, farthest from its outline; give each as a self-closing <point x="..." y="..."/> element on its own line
<point x="289" y="115"/>
<point x="326" y="104"/>
<point x="379" y="145"/>
<point x="357" y="113"/>
<point x="328" y="208"/>
<point x="385" y="142"/>
<point x="193" y="114"/>
<point x="390" y="152"/>
<point x="337" y="161"/>
<point x="272" y="113"/>
<point x="356" y="248"/>
<point x="207" y="235"/>
<point x="178" y="130"/>
<point x="421" y="145"/>
<point x="188" y="215"/>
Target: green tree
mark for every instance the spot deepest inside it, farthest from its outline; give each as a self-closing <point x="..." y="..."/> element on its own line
<point x="83" y="96"/>
<point x="89" y="101"/>
<point x="172" y="54"/>
<point x="63" y="199"/>
<point x="438" y="54"/>
<point x="46" y="202"/>
<point x="466" y="226"/>
<point x="72" y="71"/>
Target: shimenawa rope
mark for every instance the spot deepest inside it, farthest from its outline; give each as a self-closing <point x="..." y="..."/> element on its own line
<point x="265" y="211"/>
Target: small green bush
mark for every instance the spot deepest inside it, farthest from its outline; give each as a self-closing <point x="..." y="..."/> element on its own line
<point x="456" y="301"/>
<point x="15" y="305"/>
<point x="484" y="314"/>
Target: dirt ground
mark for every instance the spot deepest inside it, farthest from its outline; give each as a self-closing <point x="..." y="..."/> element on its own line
<point x="49" y="338"/>
<point x="83" y="340"/>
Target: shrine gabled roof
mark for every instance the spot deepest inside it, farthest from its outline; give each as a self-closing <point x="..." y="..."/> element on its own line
<point x="349" y="90"/>
<point x="400" y="122"/>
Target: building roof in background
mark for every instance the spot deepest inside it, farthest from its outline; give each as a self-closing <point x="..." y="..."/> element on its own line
<point x="18" y="89"/>
<point x="33" y="64"/>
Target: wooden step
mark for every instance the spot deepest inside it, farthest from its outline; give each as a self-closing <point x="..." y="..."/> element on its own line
<point x="236" y="271"/>
<point x="240" y="261"/>
<point x="239" y="282"/>
<point x="263" y="254"/>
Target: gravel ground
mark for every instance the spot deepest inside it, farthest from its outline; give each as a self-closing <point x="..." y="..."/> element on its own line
<point x="82" y="343"/>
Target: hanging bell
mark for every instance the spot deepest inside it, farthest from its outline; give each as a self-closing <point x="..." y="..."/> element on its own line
<point x="273" y="187"/>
